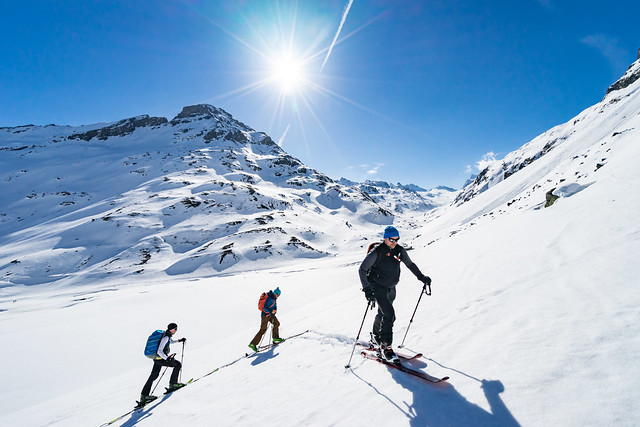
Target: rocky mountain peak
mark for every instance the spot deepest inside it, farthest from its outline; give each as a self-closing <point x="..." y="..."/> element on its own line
<point x="192" y="113"/>
<point x="200" y="110"/>
<point x="632" y="74"/>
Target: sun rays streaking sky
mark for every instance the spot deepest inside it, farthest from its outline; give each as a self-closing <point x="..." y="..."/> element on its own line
<point x="288" y="49"/>
<point x="401" y="91"/>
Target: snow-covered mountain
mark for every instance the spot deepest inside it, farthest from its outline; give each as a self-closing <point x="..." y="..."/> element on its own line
<point x="146" y="194"/>
<point x="404" y="198"/>
<point x="533" y="315"/>
<point x="583" y="143"/>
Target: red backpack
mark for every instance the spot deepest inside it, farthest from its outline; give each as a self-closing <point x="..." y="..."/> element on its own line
<point x="262" y="300"/>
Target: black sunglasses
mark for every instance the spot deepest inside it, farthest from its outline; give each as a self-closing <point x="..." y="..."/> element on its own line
<point x="394" y="239"/>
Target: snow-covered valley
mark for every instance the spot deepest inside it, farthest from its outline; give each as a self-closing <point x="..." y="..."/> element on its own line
<point x="533" y="316"/>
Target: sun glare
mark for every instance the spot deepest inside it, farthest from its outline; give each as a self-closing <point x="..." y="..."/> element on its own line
<point x="289" y="64"/>
<point x="287" y="73"/>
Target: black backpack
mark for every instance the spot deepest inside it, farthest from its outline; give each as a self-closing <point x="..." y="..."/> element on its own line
<point x="373" y="247"/>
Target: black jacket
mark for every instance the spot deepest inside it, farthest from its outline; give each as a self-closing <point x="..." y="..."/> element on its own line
<point x="381" y="267"/>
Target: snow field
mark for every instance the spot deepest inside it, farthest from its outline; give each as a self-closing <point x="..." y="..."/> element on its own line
<point x="534" y="313"/>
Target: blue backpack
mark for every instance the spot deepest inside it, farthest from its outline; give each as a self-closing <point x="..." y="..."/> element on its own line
<point x="153" y="342"/>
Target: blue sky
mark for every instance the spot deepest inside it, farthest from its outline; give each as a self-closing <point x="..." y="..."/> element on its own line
<point x="411" y="92"/>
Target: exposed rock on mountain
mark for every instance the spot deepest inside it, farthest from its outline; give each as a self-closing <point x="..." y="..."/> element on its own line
<point x="600" y="123"/>
<point x="148" y="195"/>
<point x="121" y="128"/>
<point x="400" y="199"/>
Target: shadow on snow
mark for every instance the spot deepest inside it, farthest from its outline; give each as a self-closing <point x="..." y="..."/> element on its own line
<point x="442" y="405"/>
<point x="263" y="356"/>
<point x="137" y="416"/>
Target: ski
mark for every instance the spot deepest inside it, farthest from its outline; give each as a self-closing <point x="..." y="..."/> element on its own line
<point x="141" y="404"/>
<point x="171" y="390"/>
<point x="138" y="407"/>
<point x="192" y="380"/>
<point x="122" y="416"/>
<point x="368" y="346"/>
<point x="263" y="348"/>
<point x="401" y="367"/>
<point x="266" y="347"/>
<point x="248" y="355"/>
<point x="407" y="357"/>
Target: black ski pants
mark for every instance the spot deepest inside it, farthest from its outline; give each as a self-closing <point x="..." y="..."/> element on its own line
<point x="155" y="372"/>
<point x="383" y="323"/>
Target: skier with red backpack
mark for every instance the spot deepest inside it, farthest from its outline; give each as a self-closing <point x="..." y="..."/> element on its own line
<point x="268" y="308"/>
<point x="379" y="275"/>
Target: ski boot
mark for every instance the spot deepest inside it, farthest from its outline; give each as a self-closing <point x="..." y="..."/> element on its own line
<point x="277" y="340"/>
<point x="388" y="355"/>
<point x="144" y="400"/>
<point x="173" y="387"/>
<point x="253" y="347"/>
<point x="374" y="342"/>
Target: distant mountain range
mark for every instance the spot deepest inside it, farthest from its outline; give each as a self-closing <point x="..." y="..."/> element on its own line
<point x="145" y="194"/>
<point x="204" y="192"/>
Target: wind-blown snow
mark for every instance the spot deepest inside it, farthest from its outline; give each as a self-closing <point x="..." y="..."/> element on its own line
<point x="534" y="313"/>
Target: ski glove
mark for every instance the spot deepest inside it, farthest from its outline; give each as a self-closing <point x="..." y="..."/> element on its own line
<point x="426" y="280"/>
<point x="182" y="340"/>
<point x="369" y="295"/>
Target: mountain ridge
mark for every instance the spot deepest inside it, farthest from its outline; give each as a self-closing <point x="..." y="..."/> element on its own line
<point x="559" y="136"/>
<point x="203" y="187"/>
<point x="205" y="192"/>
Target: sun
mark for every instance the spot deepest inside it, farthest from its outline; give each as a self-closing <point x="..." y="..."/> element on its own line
<point x="288" y="73"/>
<point x="286" y="62"/>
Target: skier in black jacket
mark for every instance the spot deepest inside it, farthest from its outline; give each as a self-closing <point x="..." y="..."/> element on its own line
<point x="379" y="275"/>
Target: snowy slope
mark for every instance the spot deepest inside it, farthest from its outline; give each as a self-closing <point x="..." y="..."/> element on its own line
<point x="582" y="144"/>
<point x="150" y="196"/>
<point x="534" y="313"/>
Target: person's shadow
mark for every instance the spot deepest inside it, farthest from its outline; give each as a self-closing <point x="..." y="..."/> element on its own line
<point x="146" y="412"/>
<point x="263" y="356"/>
<point x="442" y="405"/>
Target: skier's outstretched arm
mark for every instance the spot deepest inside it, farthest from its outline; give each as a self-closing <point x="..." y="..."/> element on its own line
<point x="406" y="259"/>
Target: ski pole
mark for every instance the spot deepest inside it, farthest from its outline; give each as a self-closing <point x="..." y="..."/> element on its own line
<point x="348" y="365"/>
<point x="181" y="359"/>
<point x="423" y="291"/>
<point x="263" y="336"/>
<point x="165" y="370"/>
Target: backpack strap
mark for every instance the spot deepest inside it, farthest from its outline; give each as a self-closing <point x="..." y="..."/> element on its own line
<point x="375" y="247"/>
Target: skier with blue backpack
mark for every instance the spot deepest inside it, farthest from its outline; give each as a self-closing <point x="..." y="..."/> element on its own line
<point x="268" y="309"/>
<point x="162" y="356"/>
<point x="379" y="274"/>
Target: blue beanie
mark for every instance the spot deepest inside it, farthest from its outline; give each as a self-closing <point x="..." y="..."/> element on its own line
<point x="277" y="291"/>
<point x="390" y="232"/>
